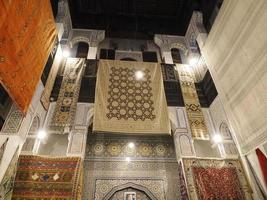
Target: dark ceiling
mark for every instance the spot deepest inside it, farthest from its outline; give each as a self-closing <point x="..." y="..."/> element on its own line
<point x="139" y="19"/>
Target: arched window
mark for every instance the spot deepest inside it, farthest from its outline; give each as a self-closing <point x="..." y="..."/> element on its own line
<point x="225" y="132"/>
<point x="176" y="57"/>
<point x="34" y="126"/>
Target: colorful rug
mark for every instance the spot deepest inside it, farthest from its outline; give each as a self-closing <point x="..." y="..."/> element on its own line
<point x="41" y="178"/>
<point x="27" y="33"/>
<point x="66" y="105"/>
<point x="216" y="179"/>
<point x="7" y="183"/>
<point x="130" y="98"/>
<point x="193" y="109"/>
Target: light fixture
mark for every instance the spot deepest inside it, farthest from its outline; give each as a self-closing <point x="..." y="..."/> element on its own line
<point x="131" y="145"/>
<point x="128" y="159"/>
<point x="139" y="75"/>
<point x="217" y="138"/>
<point x="41" y="134"/>
<point x="193" y="61"/>
<point x="66" y="53"/>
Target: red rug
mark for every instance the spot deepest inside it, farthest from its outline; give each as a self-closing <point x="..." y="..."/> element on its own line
<point x="263" y="163"/>
<point x="217" y="183"/>
<point x="47" y="178"/>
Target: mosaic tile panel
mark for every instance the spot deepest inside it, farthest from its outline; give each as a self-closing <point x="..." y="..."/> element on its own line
<point x="161" y="178"/>
<point x="118" y="148"/>
<point x="13" y="122"/>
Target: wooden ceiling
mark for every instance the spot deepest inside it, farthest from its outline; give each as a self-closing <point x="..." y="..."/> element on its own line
<point x="139" y="19"/>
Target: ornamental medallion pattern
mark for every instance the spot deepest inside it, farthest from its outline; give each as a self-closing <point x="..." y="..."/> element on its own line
<point x="129" y="98"/>
<point x="116" y="147"/>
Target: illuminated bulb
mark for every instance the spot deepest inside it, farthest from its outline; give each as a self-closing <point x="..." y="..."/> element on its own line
<point x="128" y="159"/>
<point x="192" y="61"/>
<point x="41" y="134"/>
<point x="217" y="138"/>
<point x="131" y="145"/>
<point x="66" y="53"/>
<point x="139" y="75"/>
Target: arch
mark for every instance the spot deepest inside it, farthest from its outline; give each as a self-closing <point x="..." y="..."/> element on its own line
<point x="78" y="39"/>
<point x="35" y="125"/>
<point x="185" y="142"/>
<point x="130" y="185"/>
<point x="225" y="131"/>
<point x="179" y="46"/>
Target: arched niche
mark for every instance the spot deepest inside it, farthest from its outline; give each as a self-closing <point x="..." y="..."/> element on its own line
<point x="35" y="125"/>
<point x="79" y="50"/>
<point x="179" y="46"/>
<point x="82" y="50"/>
<point x="225" y="131"/>
<point x="130" y="185"/>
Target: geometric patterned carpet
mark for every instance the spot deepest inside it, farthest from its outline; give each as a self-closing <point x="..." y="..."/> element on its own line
<point x="216" y="179"/>
<point x="47" y="178"/>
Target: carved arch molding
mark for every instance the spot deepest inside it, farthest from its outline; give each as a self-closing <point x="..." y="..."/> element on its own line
<point x="130" y="185"/>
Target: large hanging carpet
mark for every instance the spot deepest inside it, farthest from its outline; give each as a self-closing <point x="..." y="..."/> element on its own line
<point x="27" y="33"/>
<point x="193" y="109"/>
<point x="216" y="179"/>
<point x="42" y="178"/>
<point x="66" y="105"/>
<point x="128" y="104"/>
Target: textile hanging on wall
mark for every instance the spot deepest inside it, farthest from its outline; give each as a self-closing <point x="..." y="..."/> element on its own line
<point x="130" y="98"/>
<point x="27" y="33"/>
<point x="7" y="183"/>
<point x="43" y="178"/>
<point x="2" y="149"/>
<point x="216" y="179"/>
<point x="66" y="105"/>
<point x="263" y="164"/>
<point x="195" y="115"/>
<point x="183" y="188"/>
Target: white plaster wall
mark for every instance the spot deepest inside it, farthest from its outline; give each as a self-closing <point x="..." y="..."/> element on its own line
<point x="54" y="145"/>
